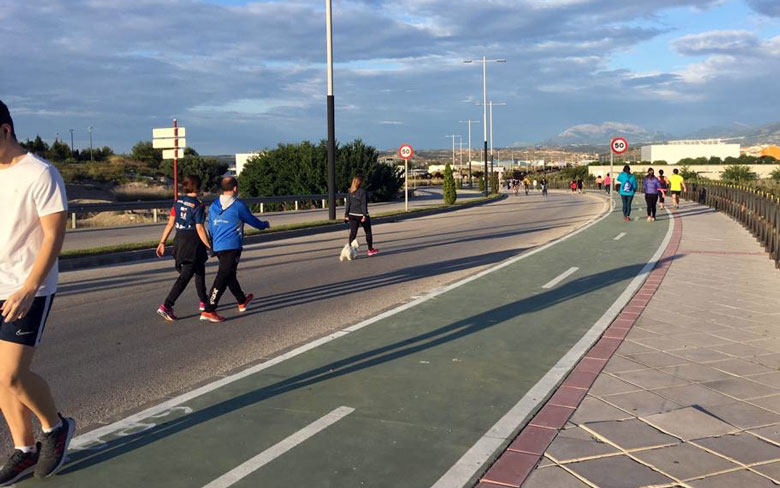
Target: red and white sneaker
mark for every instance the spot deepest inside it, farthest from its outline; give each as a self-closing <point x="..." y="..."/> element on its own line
<point x="211" y="317"/>
<point x="202" y="307"/>
<point x="372" y="252"/>
<point x="166" y="313"/>
<point x="243" y="306"/>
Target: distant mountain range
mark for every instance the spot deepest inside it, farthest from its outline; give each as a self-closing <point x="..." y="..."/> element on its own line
<point x="597" y="134"/>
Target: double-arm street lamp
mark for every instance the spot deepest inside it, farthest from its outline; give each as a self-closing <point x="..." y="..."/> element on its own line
<point x="469" y="122"/>
<point x="485" y="61"/>
<point x="491" y="104"/>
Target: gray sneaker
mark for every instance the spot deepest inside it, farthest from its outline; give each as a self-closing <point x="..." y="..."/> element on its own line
<point x="54" y="446"/>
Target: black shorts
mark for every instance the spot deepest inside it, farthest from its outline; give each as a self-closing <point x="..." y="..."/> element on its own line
<point x="677" y="193"/>
<point x="28" y="330"/>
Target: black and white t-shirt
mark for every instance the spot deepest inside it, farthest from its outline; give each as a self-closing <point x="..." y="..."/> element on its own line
<point x="30" y="189"/>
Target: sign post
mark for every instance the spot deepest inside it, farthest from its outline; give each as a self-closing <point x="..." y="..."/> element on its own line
<point x="406" y="152"/>
<point x="170" y="140"/>
<point x="617" y="145"/>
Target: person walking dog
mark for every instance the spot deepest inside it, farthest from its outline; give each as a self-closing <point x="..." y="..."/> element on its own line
<point x="190" y="246"/>
<point x="227" y="216"/>
<point x="356" y="214"/>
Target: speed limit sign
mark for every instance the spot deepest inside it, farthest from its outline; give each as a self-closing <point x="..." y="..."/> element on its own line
<point x="619" y="145"/>
<point x="406" y="151"/>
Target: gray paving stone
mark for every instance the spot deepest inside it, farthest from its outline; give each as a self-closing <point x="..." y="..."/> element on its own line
<point x="650" y="378"/>
<point x="630" y="347"/>
<point x="740" y="350"/>
<point x="739" y="335"/>
<point x="663" y="343"/>
<point x="770" y="379"/>
<point x="594" y="410"/>
<point x="770" y="403"/>
<point x="701" y="354"/>
<point x="614" y="472"/>
<point x="571" y="444"/>
<point x="740" y="367"/>
<point x="702" y="339"/>
<point x="609" y="385"/>
<point x="632" y="434"/>
<point x="684" y="461"/>
<point x="552" y="477"/>
<point x="697" y="372"/>
<point x="772" y="470"/>
<point x="689" y="395"/>
<point x="771" y="432"/>
<point x="771" y="361"/>
<point x="770" y="344"/>
<point x="741" y="388"/>
<point x="618" y="364"/>
<point x="657" y="359"/>
<point x="742" y="479"/>
<point x="743" y="448"/>
<point x="744" y="415"/>
<point x="641" y="402"/>
<point x="689" y="423"/>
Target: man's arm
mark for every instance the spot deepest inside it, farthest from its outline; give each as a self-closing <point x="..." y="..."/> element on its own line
<point x="250" y="219"/>
<point x="18" y="304"/>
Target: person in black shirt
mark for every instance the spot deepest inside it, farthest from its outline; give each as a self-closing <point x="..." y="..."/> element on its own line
<point x="190" y="246"/>
<point x="356" y="214"/>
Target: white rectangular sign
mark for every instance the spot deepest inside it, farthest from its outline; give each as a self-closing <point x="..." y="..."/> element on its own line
<point x="168" y="143"/>
<point x="167" y="133"/>
<point x="168" y="153"/>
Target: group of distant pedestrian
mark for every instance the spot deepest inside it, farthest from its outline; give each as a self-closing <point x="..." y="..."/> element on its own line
<point x="654" y="187"/>
<point x="529" y="185"/>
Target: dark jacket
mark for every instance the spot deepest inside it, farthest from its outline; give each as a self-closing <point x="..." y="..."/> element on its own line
<point x="357" y="203"/>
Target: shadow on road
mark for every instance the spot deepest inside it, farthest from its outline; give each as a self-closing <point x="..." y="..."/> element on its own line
<point x="361" y="361"/>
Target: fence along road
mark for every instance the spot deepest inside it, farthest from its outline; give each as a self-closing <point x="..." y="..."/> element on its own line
<point x="426" y="381"/>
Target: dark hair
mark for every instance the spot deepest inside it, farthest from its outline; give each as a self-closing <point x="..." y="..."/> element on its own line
<point x="661" y="172"/>
<point x="675" y="171"/>
<point x="650" y="170"/>
<point x="191" y="184"/>
<point x="627" y="168"/>
<point x="5" y="118"/>
<point x="229" y="183"/>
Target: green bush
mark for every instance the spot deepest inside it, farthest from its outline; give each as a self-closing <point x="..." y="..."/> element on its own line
<point x="687" y="173"/>
<point x="209" y="170"/>
<point x="775" y="175"/>
<point x="494" y="183"/>
<point x="738" y="173"/>
<point x="450" y="194"/>
<point x="481" y="183"/>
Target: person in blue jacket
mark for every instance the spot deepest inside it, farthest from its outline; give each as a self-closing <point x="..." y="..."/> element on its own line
<point x="628" y="186"/>
<point x="227" y="216"/>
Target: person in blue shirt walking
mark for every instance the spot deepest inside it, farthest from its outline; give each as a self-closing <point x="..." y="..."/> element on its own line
<point x="652" y="187"/>
<point x="227" y="216"/>
<point x="628" y="186"/>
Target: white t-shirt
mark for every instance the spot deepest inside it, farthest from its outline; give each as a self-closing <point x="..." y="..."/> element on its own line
<point x="30" y="189"/>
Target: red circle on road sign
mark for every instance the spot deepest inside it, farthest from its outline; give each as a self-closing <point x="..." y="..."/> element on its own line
<point x="406" y="151"/>
<point x="619" y="145"/>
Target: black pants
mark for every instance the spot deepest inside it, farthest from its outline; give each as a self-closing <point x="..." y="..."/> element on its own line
<point x="190" y="256"/>
<point x="652" y="201"/>
<point x="354" y="225"/>
<point x="226" y="278"/>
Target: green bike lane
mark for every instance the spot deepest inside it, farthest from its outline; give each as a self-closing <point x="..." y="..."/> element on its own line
<point x="394" y="402"/>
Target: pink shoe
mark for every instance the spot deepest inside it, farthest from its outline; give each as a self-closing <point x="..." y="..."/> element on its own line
<point x="202" y="307"/>
<point x="373" y="252"/>
<point x="166" y="313"/>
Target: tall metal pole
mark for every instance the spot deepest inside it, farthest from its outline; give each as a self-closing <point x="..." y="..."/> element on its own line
<point x="90" y="144"/>
<point x="484" y="120"/>
<point x="71" y="140"/>
<point x="611" y="178"/>
<point x="469" y="123"/>
<point x="331" y="114"/>
<point x="175" y="160"/>
<point x="460" y="152"/>
<point x="491" y="138"/>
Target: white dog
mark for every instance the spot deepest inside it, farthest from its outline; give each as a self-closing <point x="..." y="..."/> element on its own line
<point x="349" y="251"/>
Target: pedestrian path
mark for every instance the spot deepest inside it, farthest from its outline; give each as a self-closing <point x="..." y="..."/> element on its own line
<point x="691" y="398"/>
<point x="422" y="395"/>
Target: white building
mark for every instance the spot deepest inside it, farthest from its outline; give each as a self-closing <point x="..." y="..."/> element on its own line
<point x="241" y="160"/>
<point x="674" y="151"/>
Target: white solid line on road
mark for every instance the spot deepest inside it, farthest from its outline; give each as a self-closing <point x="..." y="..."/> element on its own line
<point x="242" y="471"/>
<point x="620" y="236"/>
<point x="93" y="437"/>
<point x="560" y="277"/>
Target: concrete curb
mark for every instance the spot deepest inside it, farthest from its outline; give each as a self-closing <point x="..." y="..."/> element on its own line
<point x="84" y="262"/>
<point x="518" y="461"/>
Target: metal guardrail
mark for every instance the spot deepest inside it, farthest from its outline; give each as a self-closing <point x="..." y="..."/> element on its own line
<point x="156" y="205"/>
<point x="756" y="210"/>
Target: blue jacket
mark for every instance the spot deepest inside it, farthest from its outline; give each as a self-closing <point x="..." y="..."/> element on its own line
<point x="226" y="226"/>
<point x="628" y="184"/>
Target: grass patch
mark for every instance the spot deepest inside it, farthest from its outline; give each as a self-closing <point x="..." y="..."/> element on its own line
<point x="140" y="246"/>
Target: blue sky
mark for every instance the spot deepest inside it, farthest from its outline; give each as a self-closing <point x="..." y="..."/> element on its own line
<point x="247" y="75"/>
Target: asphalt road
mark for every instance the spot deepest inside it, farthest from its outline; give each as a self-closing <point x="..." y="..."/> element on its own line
<point x="89" y="238"/>
<point x="106" y="352"/>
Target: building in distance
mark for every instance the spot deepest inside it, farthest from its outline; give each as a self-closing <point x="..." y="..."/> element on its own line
<point x="674" y="151"/>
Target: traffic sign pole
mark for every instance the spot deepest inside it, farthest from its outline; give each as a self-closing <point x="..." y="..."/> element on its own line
<point x="406" y="152"/>
<point x="617" y="145"/>
<point x="175" y="160"/>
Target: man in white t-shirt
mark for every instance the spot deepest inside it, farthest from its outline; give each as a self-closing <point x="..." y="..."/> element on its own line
<point x="32" y="228"/>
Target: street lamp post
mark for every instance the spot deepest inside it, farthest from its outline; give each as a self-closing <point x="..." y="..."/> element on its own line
<point x="484" y="112"/>
<point x="90" y="143"/>
<point x="71" y="141"/>
<point x="469" y="122"/>
<point x="453" y="136"/>
<point x="331" y="113"/>
<point x="491" y="104"/>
